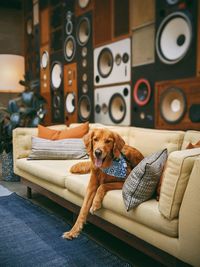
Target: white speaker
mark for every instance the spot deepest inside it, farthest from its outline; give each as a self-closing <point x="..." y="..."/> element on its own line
<point x="112" y="63"/>
<point x="112" y="105"/>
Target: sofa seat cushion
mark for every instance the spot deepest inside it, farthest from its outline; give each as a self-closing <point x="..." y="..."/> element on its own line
<point x="146" y="213"/>
<point x="54" y="171"/>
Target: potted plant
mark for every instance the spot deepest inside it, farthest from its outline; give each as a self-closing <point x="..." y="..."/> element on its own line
<point x="27" y="110"/>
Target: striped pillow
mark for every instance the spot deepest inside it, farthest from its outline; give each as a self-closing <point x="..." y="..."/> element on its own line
<point x="58" y="149"/>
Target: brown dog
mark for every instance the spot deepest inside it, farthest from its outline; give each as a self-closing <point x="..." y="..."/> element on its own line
<point x="111" y="162"/>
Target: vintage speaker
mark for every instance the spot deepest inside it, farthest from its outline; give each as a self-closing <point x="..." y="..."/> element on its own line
<point x="83" y="6"/>
<point x="112" y="105"/>
<point x="44" y="26"/>
<point x="57" y="90"/>
<point x="71" y="93"/>
<point x="35" y="12"/>
<point x="45" y="80"/>
<point x="177" y="104"/>
<point x="176" y="39"/>
<point x="103" y="27"/>
<point x="143" y="78"/>
<point x="112" y="63"/>
<point x="120" y="18"/>
<point x="69" y="32"/>
<point x="85" y="67"/>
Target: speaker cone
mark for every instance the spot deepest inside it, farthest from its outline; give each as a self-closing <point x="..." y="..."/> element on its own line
<point x="105" y="62"/>
<point x="84" y="108"/>
<point x="142" y="92"/>
<point x="44" y="59"/>
<point x="83" y="3"/>
<point x="83" y="31"/>
<point x="70" y="103"/>
<point x="69" y="48"/>
<point x="173" y="38"/>
<point x="56" y="75"/>
<point x="172" y="105"/>
<point x="117" y="108"/>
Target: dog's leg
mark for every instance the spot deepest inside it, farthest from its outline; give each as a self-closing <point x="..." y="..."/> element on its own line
<point x="90" y="193"/>
<point x="81" y="167"/>
<point x="101" y="191"/>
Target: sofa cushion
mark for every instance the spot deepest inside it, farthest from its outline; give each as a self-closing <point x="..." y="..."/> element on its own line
<point x="190" y="137"/>
<point x="147" y="213"/>
<point x="149" y="141"/>
<point x="175" y="178"/>
<point x="141" y="183"/>
<point x="53" y="171"/>
<point x="57" y="149"/>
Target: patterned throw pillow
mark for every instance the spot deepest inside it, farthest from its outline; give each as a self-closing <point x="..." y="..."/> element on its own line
<point x="58" y="149"/>
<point x="141" y="183"/>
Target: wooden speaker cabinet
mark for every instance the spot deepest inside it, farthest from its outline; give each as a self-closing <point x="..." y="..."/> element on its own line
<point x="45" y="80"/>
<point x="177" y="104"/>
<point x="70" y="93"/>
<point x="44" y="26"/>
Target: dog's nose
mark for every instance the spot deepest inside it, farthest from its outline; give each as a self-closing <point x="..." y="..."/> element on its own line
<point x="98" y="153"/>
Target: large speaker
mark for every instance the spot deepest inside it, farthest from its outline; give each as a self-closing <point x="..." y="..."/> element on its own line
<point x="176" y="39"/>
<point x="112" y="63"/>
<point x="69" y="32"/>
<point x="177" y="104"/>
<point x="56" y="83"/>
<point x="83" y="6"/>
<point x="112" y="105"/>
<point x="143" y="79"/>
<point x="71" y="93"/>
<point x="85" y="67"/>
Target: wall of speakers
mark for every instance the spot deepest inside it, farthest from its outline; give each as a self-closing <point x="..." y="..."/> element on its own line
<point x="112" y="105"/>
<point x="70" y="93"/>
<point x="178" y="104"/>
<point x="57" y="92"/>
<point x="85" y="67"/>
<point x="112" y="63"/>
<point x="143" y="79"/>
<point x="176" y="39"/>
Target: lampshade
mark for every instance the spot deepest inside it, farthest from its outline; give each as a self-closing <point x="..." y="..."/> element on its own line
<point x="11" y="71"/>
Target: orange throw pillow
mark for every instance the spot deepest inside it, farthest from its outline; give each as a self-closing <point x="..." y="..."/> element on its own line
<point x="76" y="132"/>
<point x="190" y="145"/>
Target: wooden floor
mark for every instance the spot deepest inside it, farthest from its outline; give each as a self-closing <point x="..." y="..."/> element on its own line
<point x="124" y="251"/>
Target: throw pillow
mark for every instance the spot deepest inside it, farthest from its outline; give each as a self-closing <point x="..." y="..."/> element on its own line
<point x="76" y="132"/>
<point x="190" y="145"/>
<point x="143" y="179"/>
<point x="58" y="149"/>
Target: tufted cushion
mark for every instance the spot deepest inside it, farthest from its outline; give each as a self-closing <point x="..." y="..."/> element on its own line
<point x="175" y="178"/>
<point x="143" y="179"/>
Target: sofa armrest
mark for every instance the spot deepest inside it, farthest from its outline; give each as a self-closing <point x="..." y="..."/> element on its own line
<point x="189" y="218"/>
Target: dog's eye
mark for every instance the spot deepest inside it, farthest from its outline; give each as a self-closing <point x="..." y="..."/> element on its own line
<point x="95" y="139"/>
<point x="108" y="141"/>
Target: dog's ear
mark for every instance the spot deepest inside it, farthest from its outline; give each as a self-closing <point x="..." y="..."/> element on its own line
<point x="118" y="145"/>
<point x="88" y="141"/>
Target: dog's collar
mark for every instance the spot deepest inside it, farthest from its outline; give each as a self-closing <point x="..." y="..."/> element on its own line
<point x="118" y="168"/>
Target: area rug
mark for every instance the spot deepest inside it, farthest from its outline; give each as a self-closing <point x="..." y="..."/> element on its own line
<point x="31" y="236"/>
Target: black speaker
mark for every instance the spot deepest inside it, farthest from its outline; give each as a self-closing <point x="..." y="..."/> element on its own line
<point x="143" y="79"/>
<point x="57" y="87"/>
<point x="176" y="39"/>
<point x="85" y="67"/>
<point x="69" y="32"/>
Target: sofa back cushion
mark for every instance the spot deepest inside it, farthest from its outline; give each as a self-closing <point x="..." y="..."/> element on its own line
<point x="148" y="141"/>
<point x="175" y="178"/>
<point x="190" y="137"/>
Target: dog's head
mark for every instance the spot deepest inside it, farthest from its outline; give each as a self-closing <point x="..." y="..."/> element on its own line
<point x="103" y="145"/>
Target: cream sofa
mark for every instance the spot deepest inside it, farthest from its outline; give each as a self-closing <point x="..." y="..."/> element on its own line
<point x="168" y="230"/>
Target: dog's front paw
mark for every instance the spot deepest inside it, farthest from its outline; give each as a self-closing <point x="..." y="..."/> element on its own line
<point x="70" y="235"/>
<point x="95" y="206"/>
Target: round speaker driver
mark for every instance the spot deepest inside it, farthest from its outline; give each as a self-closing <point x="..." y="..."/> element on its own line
<point x="83" y="3"/>
<point x="142" y="92"/>
<point x="70" y="103"/>
<point x="174" y="37"/>
<point x="83" y="31"/>
<point x="84" y="108"/>
<point x="56" y="75"/>
<point x="105" y="62"/>
<point x="44" y="59"/>
<point x="117" y="108"/>
<point x="69" y="48"/>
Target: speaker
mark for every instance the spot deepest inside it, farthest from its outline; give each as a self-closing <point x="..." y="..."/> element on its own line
<point x="45" y="80"/>
<point x="36" y="12"/>
<point x="121" y="18"/>
<point x="69" y="46"/>
<point x="177" y="104"/>
<point x="103" y="27"/>
<point x="56" y="83"/>
<point x="142" y="110"/>
<point x="112" y="63"/>
<point x="176" y="39"/>
<point x="112" y="105"/>
<point x="85" y="67"/>
<point x="83" y="6"/>
<point x="70" y="93"/>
